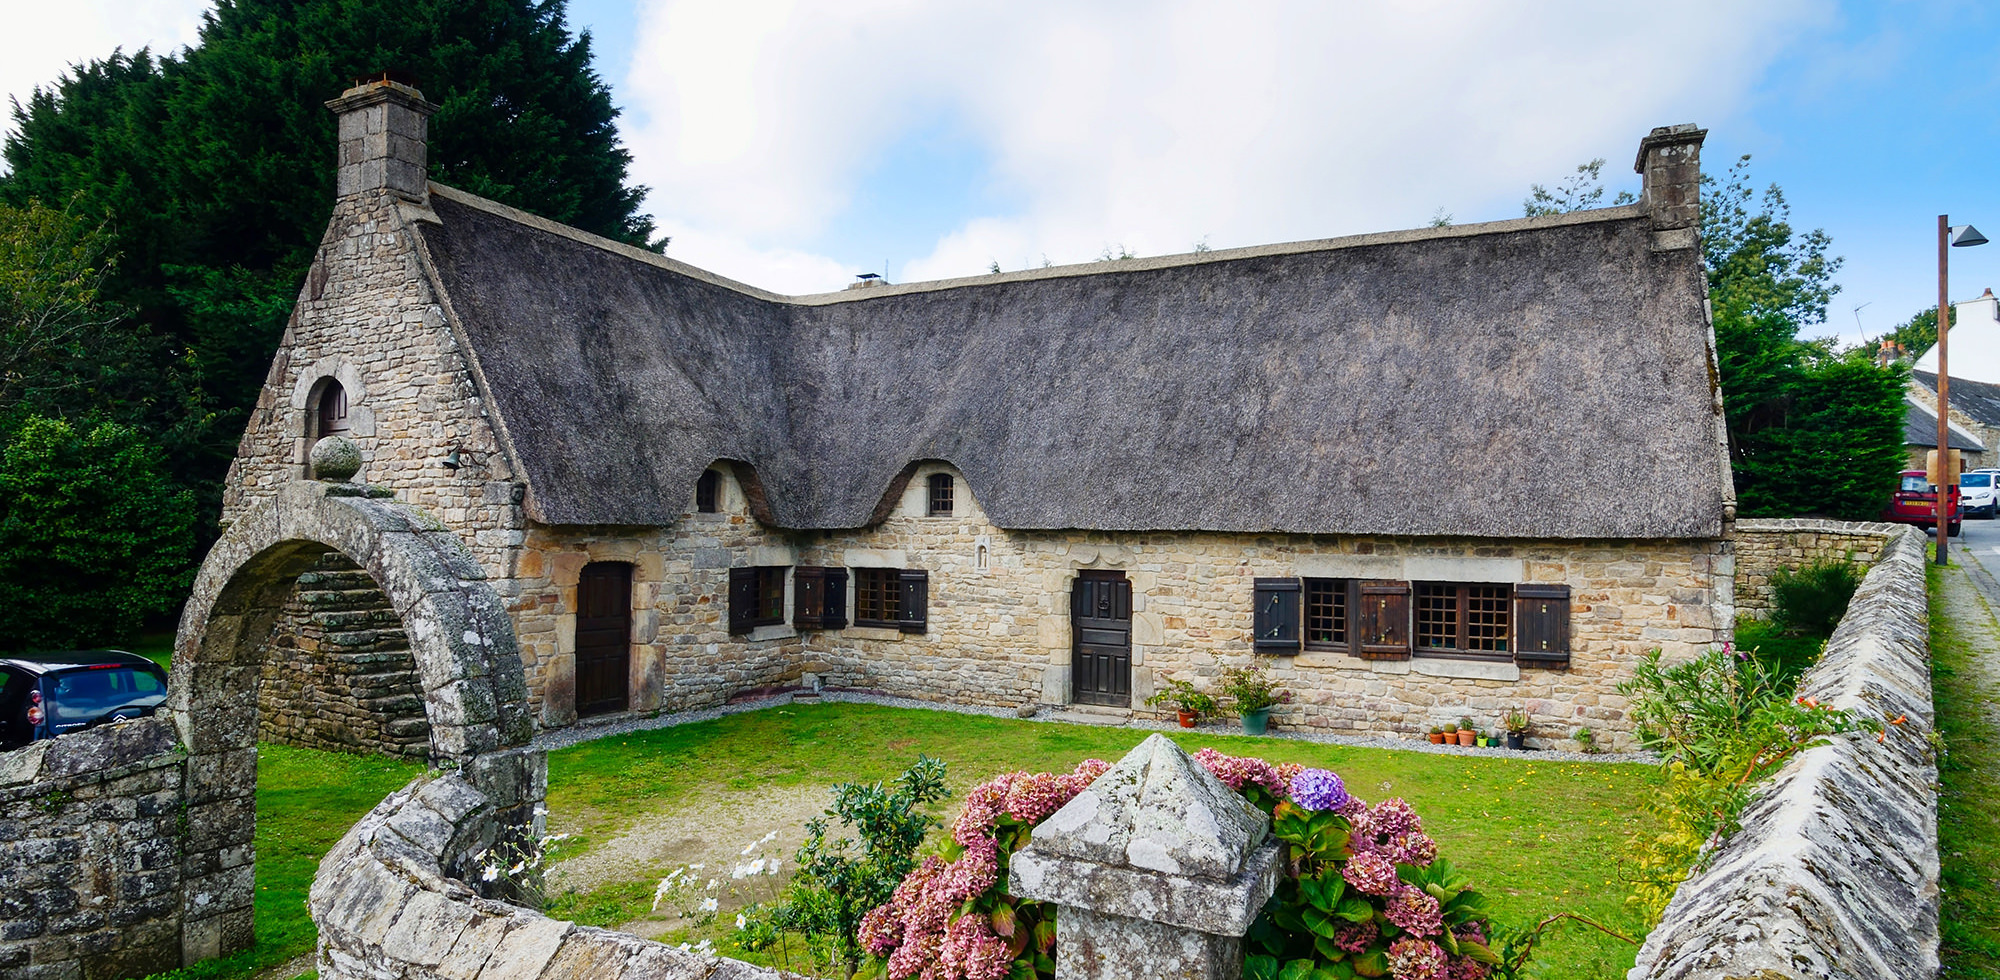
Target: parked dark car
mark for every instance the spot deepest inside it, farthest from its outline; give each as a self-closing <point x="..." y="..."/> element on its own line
<point x="43" y="695"/>
<point x="1915" y="503"/>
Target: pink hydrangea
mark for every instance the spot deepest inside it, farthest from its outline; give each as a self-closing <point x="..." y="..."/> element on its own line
<point x="972" y="950"/>
<point x="1416" y="959"/>
<point x="1356" y="937"/>
<point x="1372" y="874"/>
<point x="881" y="931"/>
<point x="1416" y="912"/>
<point x="920" y="930"/>
<point x="1467" y="968"/>
<point x="1235" y="771"/>
<point x="1391" y="829"/>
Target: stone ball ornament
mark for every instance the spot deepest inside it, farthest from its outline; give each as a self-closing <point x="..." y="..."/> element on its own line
<point x="335" y="459"/>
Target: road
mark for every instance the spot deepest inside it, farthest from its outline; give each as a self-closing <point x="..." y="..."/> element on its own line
<point x="1979" y="541"/>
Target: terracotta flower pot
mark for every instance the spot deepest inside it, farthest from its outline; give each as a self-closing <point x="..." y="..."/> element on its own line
<point x="1465" y="737"/>
<point x="1188" y="718"/>
<point x="1437" y="738"/>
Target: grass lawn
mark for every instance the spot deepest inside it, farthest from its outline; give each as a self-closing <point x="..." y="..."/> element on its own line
<point x="1537" y="837"/>
<point x="1791" y="654"/>
<point x="1964" y="691"/>
<point x="306" y="799"/>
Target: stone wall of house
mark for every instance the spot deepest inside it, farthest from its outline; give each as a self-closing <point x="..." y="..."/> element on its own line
<point x="1765" y="546"/>
<point x="999" y="628"/>
<point x="1835" y="872"/>
<point x="338" y="673"/>
<point x="367" y="318"/>
<point x="91" y="837"/>
<point x="683" y="655"/>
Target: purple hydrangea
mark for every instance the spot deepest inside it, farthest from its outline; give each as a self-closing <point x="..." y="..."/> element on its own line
<point x="1318" y="789"/>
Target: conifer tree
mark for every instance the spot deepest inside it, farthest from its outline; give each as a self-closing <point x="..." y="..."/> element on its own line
<point x="214" y="168"/>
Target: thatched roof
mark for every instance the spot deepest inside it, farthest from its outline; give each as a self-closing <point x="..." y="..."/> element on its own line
<point x="1535" y="378"/>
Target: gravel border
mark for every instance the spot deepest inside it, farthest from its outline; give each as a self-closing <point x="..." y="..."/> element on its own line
<point x="578" y="734"/>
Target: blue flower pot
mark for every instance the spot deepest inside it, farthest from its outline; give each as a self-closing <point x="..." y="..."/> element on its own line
<point x="1256" y="722"/>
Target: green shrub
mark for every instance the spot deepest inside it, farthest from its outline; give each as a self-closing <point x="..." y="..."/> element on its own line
<point x="1811" y="599"/>
<point x="1723" y="722"/>
<point x="839" y="881"/>
<point x="93" y="536"/>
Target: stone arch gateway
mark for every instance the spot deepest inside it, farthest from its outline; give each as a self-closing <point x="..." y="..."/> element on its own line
<point x="474" y="692"/>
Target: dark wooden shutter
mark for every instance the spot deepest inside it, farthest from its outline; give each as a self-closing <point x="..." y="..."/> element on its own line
<point x="834" y="617"/>
<point x="1384" y="620"/>
<point x="1277" y="615"/>
<point x="819" y="598"/>
<point x="808" y="598"/>
<point x="742" y="600"/>
<point x="1541" y="625"/>
<point x="914" y="600"/>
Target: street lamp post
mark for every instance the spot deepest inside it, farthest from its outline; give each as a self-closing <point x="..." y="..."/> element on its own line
<point x="1948" y="238"/>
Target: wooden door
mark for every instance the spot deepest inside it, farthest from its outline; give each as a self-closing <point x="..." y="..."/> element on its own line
<point x="1101" y="622"/>
<point x="603" y="638"/>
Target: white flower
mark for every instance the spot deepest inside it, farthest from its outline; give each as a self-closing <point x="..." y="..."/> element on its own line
<point x="773" y="868"/>
<point x="767" y="838"/>
<point x="747" y="848"/>
<point x="660" y="894"/>
<point x="516" y="869"/>
<point x="694" y="867"/>
<point x="492" y="871"/>
<point x="705" y="946"/>
<point x="712" y="883"/>
<point x="709" y="904"/>
<point x="741" y="922"/>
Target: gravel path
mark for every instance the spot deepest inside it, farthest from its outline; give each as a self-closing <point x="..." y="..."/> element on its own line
<point x="578" y="734"/>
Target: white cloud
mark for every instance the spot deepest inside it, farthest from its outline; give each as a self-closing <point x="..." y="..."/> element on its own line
<point x="44" y="39"/>
<point x="1152" y="124"/>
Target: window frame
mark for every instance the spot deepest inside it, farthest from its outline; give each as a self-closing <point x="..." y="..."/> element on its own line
<point x="1463" y="614"/>
<point x="879" y="591"/>
<point x="941" y="497"/>
<point x="708" y="492"/>
<point x="1341" y="592"/>
<point x="765" y="594"/>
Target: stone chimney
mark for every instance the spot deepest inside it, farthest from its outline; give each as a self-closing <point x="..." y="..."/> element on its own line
<point x="383" y="127"/>
<point x="1669" y="166"/>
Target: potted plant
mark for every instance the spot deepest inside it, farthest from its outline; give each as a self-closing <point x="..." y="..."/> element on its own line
<point x="1451" y="733"/>
<point x="1253" y="694"/>
<point x="1466" y="733"/>
<point x="1189" y="702"/>
<point x="1437" y="735"/>
<point x="1516" y="724"/>
<point x="1485" y="740"/>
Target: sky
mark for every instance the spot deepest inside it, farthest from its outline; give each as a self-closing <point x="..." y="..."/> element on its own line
<point x="794" y="145"/>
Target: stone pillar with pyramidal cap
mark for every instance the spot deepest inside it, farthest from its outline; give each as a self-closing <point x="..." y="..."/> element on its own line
<point x="1158" y="869"/>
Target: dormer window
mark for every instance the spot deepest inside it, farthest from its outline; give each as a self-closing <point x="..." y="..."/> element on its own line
<point x="941" y="494"/>
<point x="708" y="493"/>
<point x="332" y="419"/>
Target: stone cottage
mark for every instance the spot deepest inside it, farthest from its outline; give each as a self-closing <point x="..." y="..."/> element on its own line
<point x="1417" y="474"/>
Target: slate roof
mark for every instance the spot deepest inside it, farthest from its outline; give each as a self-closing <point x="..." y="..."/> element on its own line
<point x="1920" y="428"/>
<point x="1977" y="399"/>
<point x="1542" y="378"/>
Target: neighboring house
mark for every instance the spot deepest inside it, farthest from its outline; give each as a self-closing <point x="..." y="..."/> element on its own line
<point x="1418" y="474"/>
<point x="1975" y="387"/>
<point x="1920" y="428"/>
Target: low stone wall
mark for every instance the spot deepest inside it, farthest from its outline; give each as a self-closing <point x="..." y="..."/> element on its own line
<point x="91" y="836"/>
<point x="338" y="673"/>
<point x="392" y="903"/>
<point x="1835" y="872"/>
<point x="1764" y="546"/>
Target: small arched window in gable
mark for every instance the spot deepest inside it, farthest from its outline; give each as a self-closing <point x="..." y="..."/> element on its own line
<point x="941" y="495"/>
<point x="708" y="492"/>
<point x="332" y="412"/>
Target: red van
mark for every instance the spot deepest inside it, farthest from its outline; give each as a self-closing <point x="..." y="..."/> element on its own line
<point x="1916" y="503"/>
